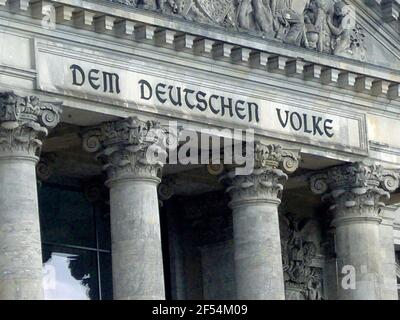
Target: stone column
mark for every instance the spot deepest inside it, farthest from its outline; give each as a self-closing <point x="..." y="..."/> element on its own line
<point x="24" y="122"/>
<point x="389" y="288"/>
<point x="127" y="148"/>
<point x="257" y="245"/>
<point x="356" y="191"/>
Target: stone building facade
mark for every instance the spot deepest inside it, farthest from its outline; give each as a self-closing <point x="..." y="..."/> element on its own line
<point x="309" y="88"/>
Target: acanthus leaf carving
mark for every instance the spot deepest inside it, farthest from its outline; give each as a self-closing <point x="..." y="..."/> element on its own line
<point x="129" y="147"/>
<point x="355" y="186"/>
<point x="267" y="179"/>
<point x="24" y="122"/>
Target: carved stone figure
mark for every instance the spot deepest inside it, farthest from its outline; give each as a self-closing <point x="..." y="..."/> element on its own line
<point x="147" y="4"/>
<point x="245" y="12"/>
<point x="263" y="15"/>
<point x="289" y="23"/>
<point x="220" y="12"/>
<point x="170" y="6"/>
<point x="322" y="25"/>
<point x="346" y="36"/>
<point x="314" y="288"/>
<point x="302" y="280"/>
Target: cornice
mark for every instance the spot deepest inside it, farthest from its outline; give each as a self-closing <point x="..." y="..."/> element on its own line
<point x="214" y="42"/>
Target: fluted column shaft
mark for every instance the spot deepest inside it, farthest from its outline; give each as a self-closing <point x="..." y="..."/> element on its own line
<point x="255" y="202"/>
<point x="23" y="123"/>
<point x="135" y="224"/>
<point x="355" y="192"/>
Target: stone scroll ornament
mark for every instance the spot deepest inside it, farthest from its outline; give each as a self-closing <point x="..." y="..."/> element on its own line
<point x="354" y="186"/>
<point x="24" y="122"/>
<point x="130" y="147"/>
<point x="328" y="26"/>
<point x="266" y="182"/>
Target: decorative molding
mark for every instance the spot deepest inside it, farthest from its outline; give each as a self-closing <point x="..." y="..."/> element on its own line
<point x="266" y="181"/>
<point x="24" y="123"/>
<point x="49" y="51"/>
<point x="389" y="10"/>
<point x="129" y="148"/>
<point x="355" y="190"/>
<point x="274" y="156"/>
<point x="384" y="148"/>
<point x="324" y="26"/>
<point x="139" y="25"/>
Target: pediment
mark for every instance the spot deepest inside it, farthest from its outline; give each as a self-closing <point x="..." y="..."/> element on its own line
<point x="341" y="28"/>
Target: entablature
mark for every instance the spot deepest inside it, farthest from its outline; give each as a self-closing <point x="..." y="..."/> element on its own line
<point x="301" y="80"/>
<point x="213" y="42"/>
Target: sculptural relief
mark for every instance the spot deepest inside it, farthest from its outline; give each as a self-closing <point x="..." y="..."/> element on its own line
<point x="303" y="281"/>
<point x="327" y="26"/>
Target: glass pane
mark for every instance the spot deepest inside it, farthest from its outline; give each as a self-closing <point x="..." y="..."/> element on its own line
<point x="66" y="217"/>
<point x="106" y="276"/>
<point x="103" y="226"/>
<point x="69" y="274"/>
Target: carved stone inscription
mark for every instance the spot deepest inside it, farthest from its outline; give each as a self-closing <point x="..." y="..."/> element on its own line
<point x="219" y="105"/>
<point x="191" y="99"/>
<point x="304" y="122"/>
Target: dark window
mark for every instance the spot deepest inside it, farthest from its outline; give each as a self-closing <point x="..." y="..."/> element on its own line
<point x="76" y="245"/>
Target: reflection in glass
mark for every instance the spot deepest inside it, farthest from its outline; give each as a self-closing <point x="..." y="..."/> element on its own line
<point x="76" y="244"/>
<point x="59" y="284"/>
<point x="69" y="274"/>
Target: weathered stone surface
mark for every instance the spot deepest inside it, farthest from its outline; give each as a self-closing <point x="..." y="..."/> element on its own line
<point x="24" y="122"/>
<point x="355" y="192"/>
<point x="389" y="287"/>
<point x="255" y="201"/>
<point x="303" y="281"/>
<point x="321" y="25"/>
<point x="124" y="146"/>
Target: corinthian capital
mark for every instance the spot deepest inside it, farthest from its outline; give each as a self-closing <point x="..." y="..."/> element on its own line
<point x="129" y="148"/>
<point x="273" y="156"/>
<point x="355" y="186"/>
<point x="266" y="181"/>
<point x="24" y="122"/>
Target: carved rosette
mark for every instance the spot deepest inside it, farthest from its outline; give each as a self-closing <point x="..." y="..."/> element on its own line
<point x="267" y="180"/>
<point x="356" y="190"/>
<point x="24" y="122"/>
<point x="129" y="148"/>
